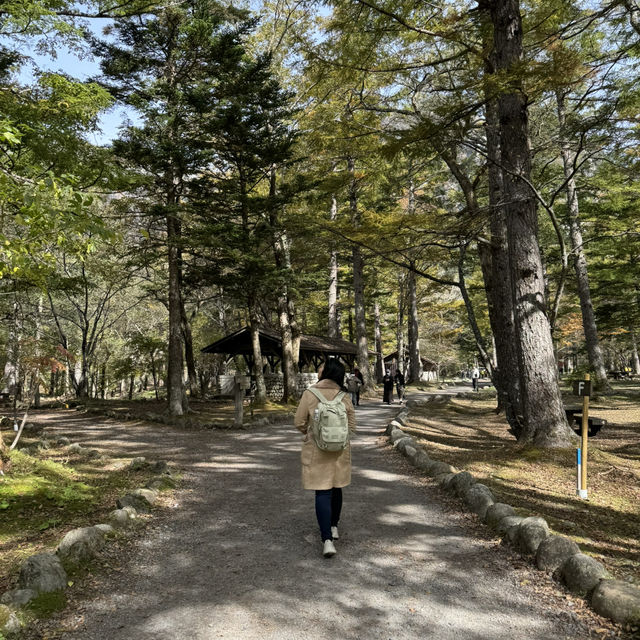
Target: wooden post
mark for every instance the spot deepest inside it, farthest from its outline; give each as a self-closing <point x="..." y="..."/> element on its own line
<point x="585" y="443"/>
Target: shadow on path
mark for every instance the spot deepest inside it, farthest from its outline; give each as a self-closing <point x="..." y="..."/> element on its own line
<point x="240" y="557"/>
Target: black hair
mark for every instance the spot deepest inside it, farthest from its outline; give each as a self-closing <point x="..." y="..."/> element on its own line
<point x="334" y="370"/>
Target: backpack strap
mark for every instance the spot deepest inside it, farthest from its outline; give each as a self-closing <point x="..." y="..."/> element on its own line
<point x="323" y="400"/>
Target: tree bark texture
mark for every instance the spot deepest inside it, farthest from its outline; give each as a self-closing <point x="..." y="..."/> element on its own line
<point x="635" y="359"/>
<point x="413" y="332"/>
<point x="378" y="339"/>
<point x="258" y="373"/>
<point x="358" y="285"/>
<point x="545" y="423"/>
<point x="400" y="323"/>
<point x="174" y="352"/>
<point x="594" y="351"/>
<point x="498" y="280"/>
<point x="334" y="329"/>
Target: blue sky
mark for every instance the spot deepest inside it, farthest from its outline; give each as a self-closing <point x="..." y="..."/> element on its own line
<point x="79" y="65"/>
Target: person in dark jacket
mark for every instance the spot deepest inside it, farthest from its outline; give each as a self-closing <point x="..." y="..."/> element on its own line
<point x="387" y="382"/>
<point x="358" y="374"/>
<point x="399" y="380"/>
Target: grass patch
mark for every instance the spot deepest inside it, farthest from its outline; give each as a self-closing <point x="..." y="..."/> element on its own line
<point x="468" y="434"/>
<point x="44" y="496"/>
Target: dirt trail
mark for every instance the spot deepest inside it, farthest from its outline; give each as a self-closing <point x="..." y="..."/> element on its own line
<point x="240" y="556"/>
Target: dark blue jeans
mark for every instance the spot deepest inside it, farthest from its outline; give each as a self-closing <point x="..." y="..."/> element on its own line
<point x="328" y="507"/>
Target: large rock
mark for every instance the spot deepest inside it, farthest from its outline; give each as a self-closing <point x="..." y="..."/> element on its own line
<point x="18" y="597"/>
<point x="438" y="468"/>
<point x="508" y="522"/>
<point x="553" y="551"/>
<point x="410" y="451"/>
<point x="496" y="512"/>
<point x="396" y="435"/>
<point x="137" y="502"/>
<point x="444" y="480"/>
<point x="149" y="495"/>
<point x="122" y="518"/>
<point x="617" y="600"/>
<point x="43" y="573"/>
<point x="75" y="448"/>
<point x="422" y="461"/>
<point x="531" y="533"/>
<point x="461" y="482"/>
<point x="403" y="443"/>
<point x="581" y="573"/>
<point x="80" y="546"/>
<point x="478" y="498"/>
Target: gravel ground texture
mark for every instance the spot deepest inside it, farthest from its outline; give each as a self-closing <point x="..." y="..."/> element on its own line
<point x="239" y="554"/>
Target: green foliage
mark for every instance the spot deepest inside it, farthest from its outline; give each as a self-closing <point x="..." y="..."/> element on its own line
<point x="46" y="604"/>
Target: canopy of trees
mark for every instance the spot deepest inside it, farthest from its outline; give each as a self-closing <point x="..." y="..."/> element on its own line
<point x="453" y="180"/>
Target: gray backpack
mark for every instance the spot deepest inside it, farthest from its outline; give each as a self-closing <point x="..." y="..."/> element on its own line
<point x="330" y="426"/>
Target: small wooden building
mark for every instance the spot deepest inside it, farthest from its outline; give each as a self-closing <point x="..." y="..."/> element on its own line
<point x="429" y="368"/>
<point x="314" y="350"/>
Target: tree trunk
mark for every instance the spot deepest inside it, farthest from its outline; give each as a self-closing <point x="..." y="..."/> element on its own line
<point x="334" y="329"/>
<point x="285" y="304"/>
<point x="258" y="373"/>
<point x="635" y="360"/>
<point x="187" y="336"/>
<point x="378" y="339"/>
<point x="545" y="423"/>
<point x="494" y="261"/>
<point x="400" y="324"/>
<point x="594" y="351"/>
<point x="358" y="286"/>
<point x="174" y="352"/>
<point x="415" y="363"/>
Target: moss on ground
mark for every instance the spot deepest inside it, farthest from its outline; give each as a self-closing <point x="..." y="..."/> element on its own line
<point x="47" y="494"/>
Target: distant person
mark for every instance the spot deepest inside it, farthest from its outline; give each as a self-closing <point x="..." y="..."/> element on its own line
<point x="358" y="374"/>
<point x="475" y="376"/>
<point x="387" y="383"/>
<point x="399" y="380"/>
<point x="353" y="385"/>
<point x="326" y="472"/>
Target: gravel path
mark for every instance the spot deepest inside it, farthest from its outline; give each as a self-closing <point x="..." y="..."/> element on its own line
<point x="240" y="556"/>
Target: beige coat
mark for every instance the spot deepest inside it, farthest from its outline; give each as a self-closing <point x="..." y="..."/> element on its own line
<point x="323" y="469"/>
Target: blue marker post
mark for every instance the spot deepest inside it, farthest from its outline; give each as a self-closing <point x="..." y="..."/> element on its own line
<point x="579" y="476"/>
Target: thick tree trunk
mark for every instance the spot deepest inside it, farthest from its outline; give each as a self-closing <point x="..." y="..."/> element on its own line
<point x="334" y="329"/>
<point x="594" y="351"/>
<point x="358" y="286"/>
<point x="498" y="281"/>
<point x="545" y="423"/>
<point x="174" y="352"/>
<point x="413" y="333"/>
<point x="378" y="339"/>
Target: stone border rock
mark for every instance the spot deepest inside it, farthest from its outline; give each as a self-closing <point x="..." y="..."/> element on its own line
<point x="559" y="555"/>
<point x="46" y="573"/>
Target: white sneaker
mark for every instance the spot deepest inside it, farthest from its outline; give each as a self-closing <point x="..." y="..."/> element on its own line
<point x="334" y="533"/>
<point x="328" y="549"/>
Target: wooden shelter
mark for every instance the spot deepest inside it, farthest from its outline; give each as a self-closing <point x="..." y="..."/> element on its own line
<point x="391" y="362"/>
<point x="314" y="350"/>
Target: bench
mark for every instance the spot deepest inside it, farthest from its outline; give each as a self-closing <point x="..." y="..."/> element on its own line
<point x="594" y="424"/>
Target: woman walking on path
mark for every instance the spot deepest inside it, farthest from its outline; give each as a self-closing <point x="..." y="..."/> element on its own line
<point x="326" y="472"/>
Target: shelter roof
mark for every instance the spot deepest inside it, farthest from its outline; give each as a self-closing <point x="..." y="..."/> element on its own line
<point x="239" y="343"/>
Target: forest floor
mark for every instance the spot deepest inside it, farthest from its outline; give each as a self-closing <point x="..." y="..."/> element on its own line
<point x="468" y="434"/>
